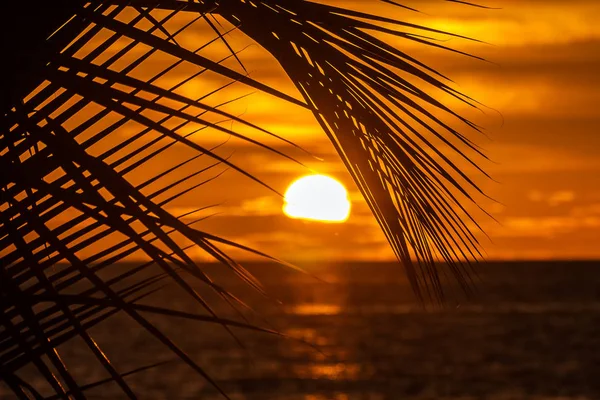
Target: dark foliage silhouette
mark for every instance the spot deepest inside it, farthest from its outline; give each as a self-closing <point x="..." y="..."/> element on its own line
<point x="76" y="73"/>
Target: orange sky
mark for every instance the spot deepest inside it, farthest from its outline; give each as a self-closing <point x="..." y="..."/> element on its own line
<point x="542" y="78"/>
<point x="545" y="84"/>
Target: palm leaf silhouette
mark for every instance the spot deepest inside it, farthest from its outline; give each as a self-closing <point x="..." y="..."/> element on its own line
<point x="66" y="187"/>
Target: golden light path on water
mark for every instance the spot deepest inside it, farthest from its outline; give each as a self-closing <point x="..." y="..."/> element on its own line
<point x="317" y="198"/>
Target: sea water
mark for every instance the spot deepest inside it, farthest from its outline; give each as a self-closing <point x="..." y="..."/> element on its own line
<point x="356" y="331"/>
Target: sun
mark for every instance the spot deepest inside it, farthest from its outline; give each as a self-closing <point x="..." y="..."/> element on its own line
<point x="317" y="198"/>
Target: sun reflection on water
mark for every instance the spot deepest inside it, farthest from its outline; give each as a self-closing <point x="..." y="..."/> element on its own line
<point x="336" y="371"/>
<point x="315" y="309"/>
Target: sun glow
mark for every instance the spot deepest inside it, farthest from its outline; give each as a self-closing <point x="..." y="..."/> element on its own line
<point x="317" y="198"/>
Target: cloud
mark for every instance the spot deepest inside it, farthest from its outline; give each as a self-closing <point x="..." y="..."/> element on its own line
<point x="261" y="206"/>
<point x="545" y="226"/>
<point x="552" y="199"/>
<point x="257" y="207"/>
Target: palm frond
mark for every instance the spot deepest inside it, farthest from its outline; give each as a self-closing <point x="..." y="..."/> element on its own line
<point x="79" y="79"/>
<point x="66" y="190"/>
<point x="379" y="107"/>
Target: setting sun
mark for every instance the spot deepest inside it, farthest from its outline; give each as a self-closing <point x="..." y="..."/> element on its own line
<point x="317" y="198"/>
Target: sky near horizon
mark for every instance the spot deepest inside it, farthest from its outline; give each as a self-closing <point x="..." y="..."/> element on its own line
<point x="540" y="91"/>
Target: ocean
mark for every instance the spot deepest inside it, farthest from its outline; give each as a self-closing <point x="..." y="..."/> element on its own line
<point x="532" y="331"/>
